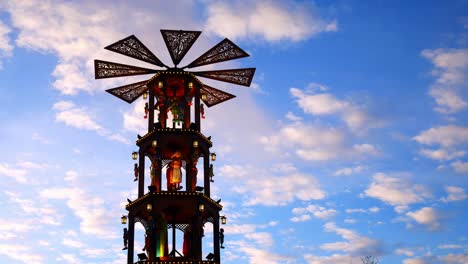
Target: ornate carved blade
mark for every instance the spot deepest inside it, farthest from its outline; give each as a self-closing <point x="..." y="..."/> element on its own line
<point x="215" y="96"/>
<point x="129" y="92"/>
<point x="223" y="51"/>
<point x="107" y="69"/>
<point x="236" y="76"/>
<point x="133" y="47"/>
<point x="178" y="42"/>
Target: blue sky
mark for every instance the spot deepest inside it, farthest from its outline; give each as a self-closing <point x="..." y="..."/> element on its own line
<point x="352" y="140"/>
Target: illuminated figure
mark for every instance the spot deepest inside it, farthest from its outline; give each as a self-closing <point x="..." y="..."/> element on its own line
<point x="174" y="172"/>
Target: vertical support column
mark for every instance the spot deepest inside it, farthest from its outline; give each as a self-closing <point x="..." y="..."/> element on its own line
<point x="216" y="245"/>
<point x="159" y="175"/>
<point x="197" y="237"/>
<point x="151" y="109"/>
<point x="206" y="171"/>
<point x="163" y="111"/>
<point x="141" y="173"/>
<point x="131" y="238"/>
<point x="188" y="175"/>
<point x="186" y="106"/>
<point x="197" y="107"/>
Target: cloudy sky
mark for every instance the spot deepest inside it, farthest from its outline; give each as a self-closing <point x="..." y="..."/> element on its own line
<point x="352" y="140"/>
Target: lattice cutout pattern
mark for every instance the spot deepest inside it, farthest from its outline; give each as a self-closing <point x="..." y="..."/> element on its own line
<point x="129" y="92"/>
<point x="236" y="76"/>
<point x="223" y="51"/>
<point x="107" y="69"/>
<point x="178" y="42"/>
<point x="215" y="96"/>
<point x="133" y="47"/>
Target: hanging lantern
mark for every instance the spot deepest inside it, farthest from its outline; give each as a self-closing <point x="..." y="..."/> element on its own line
<point x="149" y="207"/>
<point x="190" y="85"/>
<point x="123" y="219"/>
<point x="134" y="155"/>
<point x="154" y="143"/>
<point x="203" y="97"/>
<point x="160" y="85"/>
<point x="145" y="96"/>
<point x="213" y="156"/>
<point x="195" y="144"/>
<point x="201" y="207"/>
<point x="223" y="220"/>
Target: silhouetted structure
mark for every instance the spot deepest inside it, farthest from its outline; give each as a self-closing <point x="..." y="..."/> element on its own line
<point x="174" y="149"/>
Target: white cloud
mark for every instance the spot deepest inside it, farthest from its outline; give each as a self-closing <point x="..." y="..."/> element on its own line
<point x="301" y="218"/>
<point x="317" y="211"/>
<point x="361" y="210"/>
<point x="254" y="253"/>
<point x="450" y="68"/>
<point x="90" y="209"/>
<point x="282" y="190"/>
<point x="450" y="246"/>
<point x="426" y="216"/>
<point x="396" y="191"/>
<point x="79" y="117"/>
<point x="441" y="154"/>
<point x="17" y="174"/>
<point x="315" y="143"/>
<point x="319" y="104"/>
<point x="292" y="117"/>
<point x="415" y="261"/>
<point x="32" y="165"/>
<point x="332" y="259"/>
<point x="6" y="49"/>
<point x="366" y="149"/>
<point x="455" y="259"/>
<point x="37" y="211"/>
<point x="404" y="251"/>
<point x="261" y="238"/>
<point x="40" y="138"/>
<point x="354" y="243"/>
<point x="133" y="118"/>
<point x="447" y="259"/>
<point x="70" y="258"/>
<point x="349" y="171"/>
<point x="460" y="167"/>
<point x="20" y="252"/>
<point x="71" y="115"/>
<point x="72" y="243"/>
<point x="275" y="190"/>
<point x="446" y="136"/>
<point x="454" y="194"/>
<point x="269" y="20"/>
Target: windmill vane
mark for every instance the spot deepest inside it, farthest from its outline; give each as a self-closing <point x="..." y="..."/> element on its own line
<point x="178" y="43"/>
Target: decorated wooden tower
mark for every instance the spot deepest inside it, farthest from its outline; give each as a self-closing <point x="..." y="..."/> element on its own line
<point x="174" y="149"/>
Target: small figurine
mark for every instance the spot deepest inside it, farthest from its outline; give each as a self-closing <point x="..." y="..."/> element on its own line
<point x="221" y="237"/>
<point x="202" y="111"/>
<point x="211" y="173"/>
<point x="147" y="242"/>
<point x="174" y="173"/>
<point x="146" y="110"/>
<point x="135" y="170"/>
<point x="125" y="238"/>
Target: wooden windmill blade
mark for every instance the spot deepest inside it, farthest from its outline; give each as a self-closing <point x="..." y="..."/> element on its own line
<point x="132" y="47"/>
<point x="223" y="51"/>
<point x="130" y="92"/>
<point x="237" y="76"/>
<point x="178" y="42"/>
<point x="214" y="96"/>
<point x="107" y="69"/>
